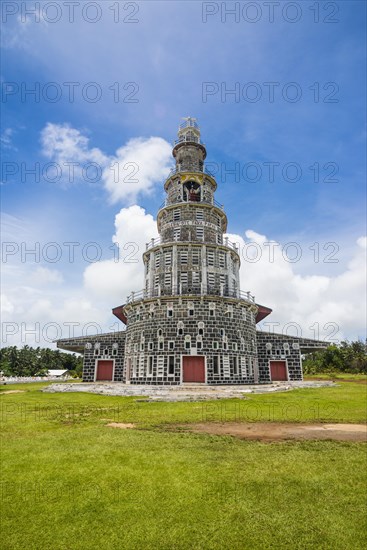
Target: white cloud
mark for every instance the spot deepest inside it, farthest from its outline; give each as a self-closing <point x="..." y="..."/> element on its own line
<point x="6" y="139"/>
<point x="39" y="304"/>
<point x="45" y="276"/>
<point x="6" y="305"/>
<point x="114" y="280"/>
<point x="317" y="304"/>
<point x="17" y="33"/>
<point x="135" y="169"/>
<point x="37" y="317"/>
<point x="64" y="143"/>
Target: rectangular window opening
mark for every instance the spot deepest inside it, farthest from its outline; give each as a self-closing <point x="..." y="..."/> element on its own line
<point x="150" y="365"/>
<point x="196" y="257"/>
<point x="171" y="365"/>
<point x="243" y="367"/>
<point x="216" y="366"/>
<point x="235" y="365"/>
<point x="226" y="369"/>
<point x="200" y="233"/>
<point x="160" y="366"/>
<point x="184" y="257"/>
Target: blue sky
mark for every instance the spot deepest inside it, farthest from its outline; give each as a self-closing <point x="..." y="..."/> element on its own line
<point x="169" y="54"/>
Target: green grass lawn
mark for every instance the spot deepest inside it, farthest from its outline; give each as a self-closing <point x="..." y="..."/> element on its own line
<point x="69" y="482"/>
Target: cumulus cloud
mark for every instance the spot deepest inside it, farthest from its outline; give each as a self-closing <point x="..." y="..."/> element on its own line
<point x="114" y="279"/>
<point x="134" y="169"/>
<point x="330" y="307"/>
<point x="37" y="317"/>
<point x="38" y="303"/>
<point x="39" y="313"/>
<point x="47" y="307"/>
<point x="137" y="167"/>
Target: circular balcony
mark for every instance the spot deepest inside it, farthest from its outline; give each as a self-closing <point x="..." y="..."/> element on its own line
<point x="210" y="201"/>
<point x="158" y="241"/>
<point x="193" y="290"/>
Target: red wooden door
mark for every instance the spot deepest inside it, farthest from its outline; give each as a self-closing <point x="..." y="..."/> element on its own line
<point x="104" y="370"/>
<point x="193" y="369"/>
<point x="278" y="370"/>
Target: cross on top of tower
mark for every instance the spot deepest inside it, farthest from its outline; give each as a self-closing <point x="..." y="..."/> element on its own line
<point x="188" y="121"/>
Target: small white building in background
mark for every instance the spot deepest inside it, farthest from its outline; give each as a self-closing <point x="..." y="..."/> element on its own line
<point x="58" y="373"/>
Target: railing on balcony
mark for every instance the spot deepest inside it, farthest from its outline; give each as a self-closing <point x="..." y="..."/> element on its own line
<point x="194" y="290"/>
<point x="188" y="139"/>
<point x="152" y="243"/>
<point x="203" y="200"/>
<point x="189" y="123"/>
<point x="155" y="242"/>
<point x="192" y="168"/>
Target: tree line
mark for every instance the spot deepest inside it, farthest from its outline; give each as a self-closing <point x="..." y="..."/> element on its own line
<point x="350" y="357"/>
<point x="28" y="361"/>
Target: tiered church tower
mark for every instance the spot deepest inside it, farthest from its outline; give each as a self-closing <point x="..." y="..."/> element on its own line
<point x="191" y="323"/>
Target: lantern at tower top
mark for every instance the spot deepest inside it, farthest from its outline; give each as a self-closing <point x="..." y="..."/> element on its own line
<point x="188" y="131"/>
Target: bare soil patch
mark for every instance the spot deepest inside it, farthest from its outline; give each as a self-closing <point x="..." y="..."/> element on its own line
<point x="268" y="431"/>
<point x="121" y="425"/>
<point x="12" y="391"/>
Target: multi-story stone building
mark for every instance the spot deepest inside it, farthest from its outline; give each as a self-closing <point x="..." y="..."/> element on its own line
<point x="191" y="323"/>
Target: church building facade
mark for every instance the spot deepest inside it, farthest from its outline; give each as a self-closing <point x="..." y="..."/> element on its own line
<point x="191" y="323"/>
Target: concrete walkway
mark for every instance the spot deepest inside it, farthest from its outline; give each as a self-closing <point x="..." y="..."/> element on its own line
<point x="192" y="392"/>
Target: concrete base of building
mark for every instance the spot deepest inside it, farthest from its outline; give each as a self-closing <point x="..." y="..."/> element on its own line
<point x="184" y="392"/>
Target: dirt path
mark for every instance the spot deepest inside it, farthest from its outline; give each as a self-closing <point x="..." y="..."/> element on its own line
<point x="268" y="431"/>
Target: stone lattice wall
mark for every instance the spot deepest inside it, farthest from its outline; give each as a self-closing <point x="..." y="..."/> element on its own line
<point x="278" y="347"/>
<point x="89" y="344"/>
<point x="148" y="319"/>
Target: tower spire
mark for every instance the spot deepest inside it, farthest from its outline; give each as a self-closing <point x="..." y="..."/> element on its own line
<point x="189" y="130"/>
<point x="188" y="150"/>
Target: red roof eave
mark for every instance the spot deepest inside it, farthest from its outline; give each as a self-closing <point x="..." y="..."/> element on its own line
<point x="262" y="313"/>
<point x="119" y="312"/>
